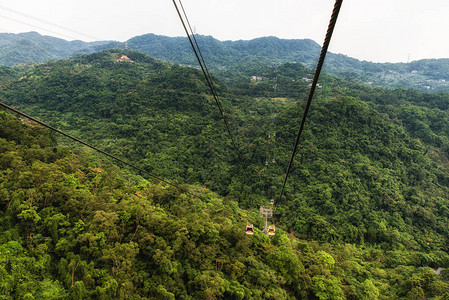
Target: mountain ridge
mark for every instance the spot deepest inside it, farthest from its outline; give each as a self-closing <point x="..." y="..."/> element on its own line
<point x="426" y="75"/>
<point x="32" y="47"/>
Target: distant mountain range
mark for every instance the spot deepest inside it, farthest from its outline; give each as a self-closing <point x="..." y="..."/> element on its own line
<point x="31" y="47"/>
<point x="235" y="56"/>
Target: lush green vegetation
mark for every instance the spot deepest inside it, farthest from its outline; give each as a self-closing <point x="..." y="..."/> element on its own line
<point x="74" y="229"/>
<point x="424" y="75"/>
<point x="367" y="196"/>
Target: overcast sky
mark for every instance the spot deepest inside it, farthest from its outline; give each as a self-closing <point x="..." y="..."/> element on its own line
<point x="374" y="30"/>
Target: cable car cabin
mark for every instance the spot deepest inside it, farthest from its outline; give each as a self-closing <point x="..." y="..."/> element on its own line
<point x="271" y="230"/>
<point x="249" y="229"/>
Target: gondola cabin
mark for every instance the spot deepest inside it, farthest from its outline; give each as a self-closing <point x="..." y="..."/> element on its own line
<point x="271" y="230"/>
<point x="249" y="229"/>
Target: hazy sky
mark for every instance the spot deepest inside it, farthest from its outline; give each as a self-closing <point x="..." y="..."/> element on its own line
<point x="374" y="30"/>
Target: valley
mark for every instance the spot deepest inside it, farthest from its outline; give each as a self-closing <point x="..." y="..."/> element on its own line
<point x="365" y="213"/>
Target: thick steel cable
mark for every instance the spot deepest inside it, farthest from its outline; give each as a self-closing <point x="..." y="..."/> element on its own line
<point x="198" y="48"/>
<point x="97" y="149"/>
<point x="319" y="66"/>
<point x="198" y="54"/>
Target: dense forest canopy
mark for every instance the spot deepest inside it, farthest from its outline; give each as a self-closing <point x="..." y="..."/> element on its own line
<point x="74" y="228"/>
<point x="365" y="210"/>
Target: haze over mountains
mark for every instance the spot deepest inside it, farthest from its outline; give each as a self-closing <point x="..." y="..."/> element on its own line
<point x="430" y="75"/>
<point x="32" y="47"/>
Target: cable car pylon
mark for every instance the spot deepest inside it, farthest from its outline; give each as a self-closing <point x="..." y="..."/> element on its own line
<point x="265" y="212"/>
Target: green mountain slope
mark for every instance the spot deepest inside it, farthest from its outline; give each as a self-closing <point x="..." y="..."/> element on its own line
<point x="422" y="75"/>
<point x="225" y="54"/>
<point x="372" y="167"/>
<point x="76" y="229"/>
<point x="139" y="110"/>
<point x="32" y="47"/>
<point x="428" y="75"/>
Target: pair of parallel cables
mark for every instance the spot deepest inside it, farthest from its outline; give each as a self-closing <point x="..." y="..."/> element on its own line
<point x="201" y="61"/>
<point x="190" y="34"/>
<point x="199" y="56"/>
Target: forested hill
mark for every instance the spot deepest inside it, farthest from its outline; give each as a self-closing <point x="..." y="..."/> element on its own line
<point x="75" y="228"/>
<point x="429" y="75"/>
<point x="227" y="53"/>
<point x="31" y="47"/>
<point x="372" y="171"/>
<point x="422" y="75"/>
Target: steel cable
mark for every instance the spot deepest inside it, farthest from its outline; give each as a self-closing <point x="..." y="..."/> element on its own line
<point x="98" y="150"/>
<point x="319" y="66"/>
<point x="206" y="74"/>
